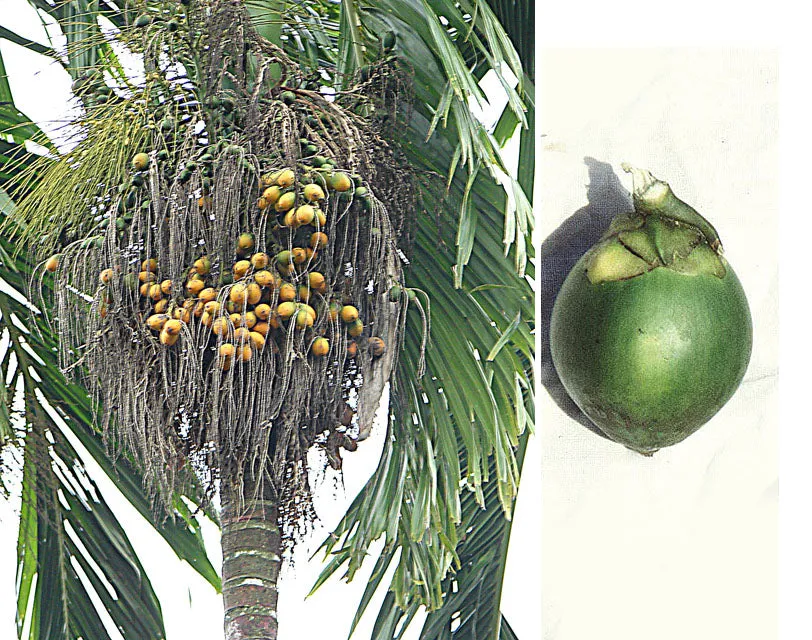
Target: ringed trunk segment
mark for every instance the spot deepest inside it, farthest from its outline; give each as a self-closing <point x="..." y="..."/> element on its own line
<point x="252" y="558"/>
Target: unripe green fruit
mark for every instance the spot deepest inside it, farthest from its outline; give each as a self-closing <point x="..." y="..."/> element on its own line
<point x="651" y="332"/>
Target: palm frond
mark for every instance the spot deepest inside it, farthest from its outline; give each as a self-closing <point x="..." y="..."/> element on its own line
<point x="461" y="422"/>
<point x="76" y="566"/>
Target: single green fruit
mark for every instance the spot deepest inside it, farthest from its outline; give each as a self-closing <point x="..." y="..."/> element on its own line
<point x="395" y="293"/>
<point x="651" y="332"/>
<point x="288" y="97"/>
<point x="142" y="21"/>
<point x="389" y="40"/>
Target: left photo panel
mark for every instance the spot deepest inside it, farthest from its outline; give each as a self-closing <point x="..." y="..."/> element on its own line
<point x="267" y="307"/>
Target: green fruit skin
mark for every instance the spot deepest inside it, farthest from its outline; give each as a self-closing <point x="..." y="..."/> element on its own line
<point x="652" y="358"/>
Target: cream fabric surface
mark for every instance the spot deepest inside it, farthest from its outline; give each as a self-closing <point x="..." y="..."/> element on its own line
<point x="683" y="544"/>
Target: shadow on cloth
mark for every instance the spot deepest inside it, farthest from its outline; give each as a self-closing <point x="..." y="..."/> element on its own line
<point x="606" y="198"/>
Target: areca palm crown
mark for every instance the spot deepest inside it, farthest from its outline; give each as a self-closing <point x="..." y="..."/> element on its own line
<point x="411" y="220"/>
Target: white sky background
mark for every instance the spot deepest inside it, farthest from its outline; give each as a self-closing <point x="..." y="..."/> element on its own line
<point x="191" y="608"/>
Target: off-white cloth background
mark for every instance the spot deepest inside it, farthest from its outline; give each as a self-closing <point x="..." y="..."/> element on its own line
<point x="682" y="544"/>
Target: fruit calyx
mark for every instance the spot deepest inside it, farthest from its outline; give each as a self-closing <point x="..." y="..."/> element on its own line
<point x="662" y="232"/>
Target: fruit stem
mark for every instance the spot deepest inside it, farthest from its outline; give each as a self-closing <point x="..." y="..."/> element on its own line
<point x="652" y="196"/>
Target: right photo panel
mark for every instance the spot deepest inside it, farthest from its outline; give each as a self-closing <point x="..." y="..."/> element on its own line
<point x="659" y="342"/>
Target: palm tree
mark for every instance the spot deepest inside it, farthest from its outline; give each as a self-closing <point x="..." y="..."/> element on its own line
<point x="405" y="75"/>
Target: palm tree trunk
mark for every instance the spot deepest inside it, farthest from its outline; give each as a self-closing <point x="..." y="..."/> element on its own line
<point x="252" y="557"/>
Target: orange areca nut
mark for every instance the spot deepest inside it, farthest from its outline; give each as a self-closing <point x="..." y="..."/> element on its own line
<point x="299" y="255"/>
<point x="157" y="321"/>
<point x="286" y="309"/>
<point x="202" y="265"/>
<point x="317" y="281"/>
<point x="305" y="214"/>
<point x="290" y="219"/>
<point x="262" y="311"/>
<point x="208" y="295"/>
<point x="286" y="178"/>
<point x="287" y="292"/>
<point x="106" y="276"/>
<point x="195" y="286"/>
<point x="320" y="347"/>
<point x="240" y="268"/>
<point x="313" y="193"/>
<point x="161" y="306"/>
<point x="140" y="161"/>
<point x="184" y="315"/>
<point x="238" y="293"/>
<point x="168" y="338"/>
<point x="155" y="292"/>
<point x="52" y="263"/>
<point x="253" y="293"/>
<point x="166" y="287"/>
<point x="147" y="276"/>
<point x="265" y="279"/>
<point x="349" y="314"/>
<point x="261" y="328"/>
<point x="257" y="340"/>
<point x="260" y="260"/>
<point x="285" y="203"/>
<point x="318" y="240"/>
<point x="352" y="349"/>
<point x="150" y="264"/>
<point x="272" y="194"/>
<point x="173" y="326"/>
<point x="269" y="179"/>
<point x="221" y="326"/>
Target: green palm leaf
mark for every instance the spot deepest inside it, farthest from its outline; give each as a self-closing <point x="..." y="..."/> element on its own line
<point x="76" y="566"/>
<point x="464" y="418"/>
